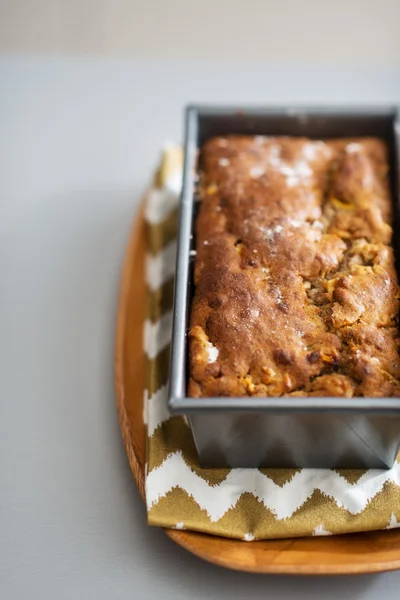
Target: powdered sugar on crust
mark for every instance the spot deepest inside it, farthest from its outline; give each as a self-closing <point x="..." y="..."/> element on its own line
<point x="311" y="151"/>
<point x="367" y="178"/>
<point x="212" y="352"/>
<point x="353" y="148"/>
<point x="270" y="232"/>
<point x="295" y="173"/>
<point x="256" y="172"/>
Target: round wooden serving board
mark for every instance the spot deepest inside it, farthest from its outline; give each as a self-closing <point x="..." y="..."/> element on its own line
<point x="345" y="554"/>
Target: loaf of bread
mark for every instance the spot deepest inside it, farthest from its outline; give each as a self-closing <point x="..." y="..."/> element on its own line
<point x="296" y="290"/>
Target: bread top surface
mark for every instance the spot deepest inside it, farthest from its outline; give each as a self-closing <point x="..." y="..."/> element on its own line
<point x="296" y="289"/>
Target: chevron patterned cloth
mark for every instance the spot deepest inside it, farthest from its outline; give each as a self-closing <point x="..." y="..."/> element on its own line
<point x="246" y="504"/>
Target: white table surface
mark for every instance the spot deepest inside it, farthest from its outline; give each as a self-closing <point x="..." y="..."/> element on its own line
<point x="78" y="140"/>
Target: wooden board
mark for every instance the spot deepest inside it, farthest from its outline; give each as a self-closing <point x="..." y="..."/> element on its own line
<point x="346" y="554"/>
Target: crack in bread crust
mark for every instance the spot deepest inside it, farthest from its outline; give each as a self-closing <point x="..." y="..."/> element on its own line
<point x="296" y="289"/>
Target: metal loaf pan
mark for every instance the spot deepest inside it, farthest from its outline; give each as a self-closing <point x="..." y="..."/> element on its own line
<point x="280" y="432"/>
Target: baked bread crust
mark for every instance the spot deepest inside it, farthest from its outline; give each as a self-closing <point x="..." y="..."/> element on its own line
<point x="296" y="290"/>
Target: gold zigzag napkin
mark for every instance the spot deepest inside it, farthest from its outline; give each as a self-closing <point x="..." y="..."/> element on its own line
<point x="240" y="503"/>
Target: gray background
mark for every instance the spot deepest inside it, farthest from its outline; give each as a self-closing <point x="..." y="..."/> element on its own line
<point x="78" y="140"/>
<point x="340" y="31"/>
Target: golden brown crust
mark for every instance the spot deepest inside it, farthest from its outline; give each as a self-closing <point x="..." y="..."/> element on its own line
<point x="296" y="290"/>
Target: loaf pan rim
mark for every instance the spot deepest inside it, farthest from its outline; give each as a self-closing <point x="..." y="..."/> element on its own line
<point x="180" y="403"/>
